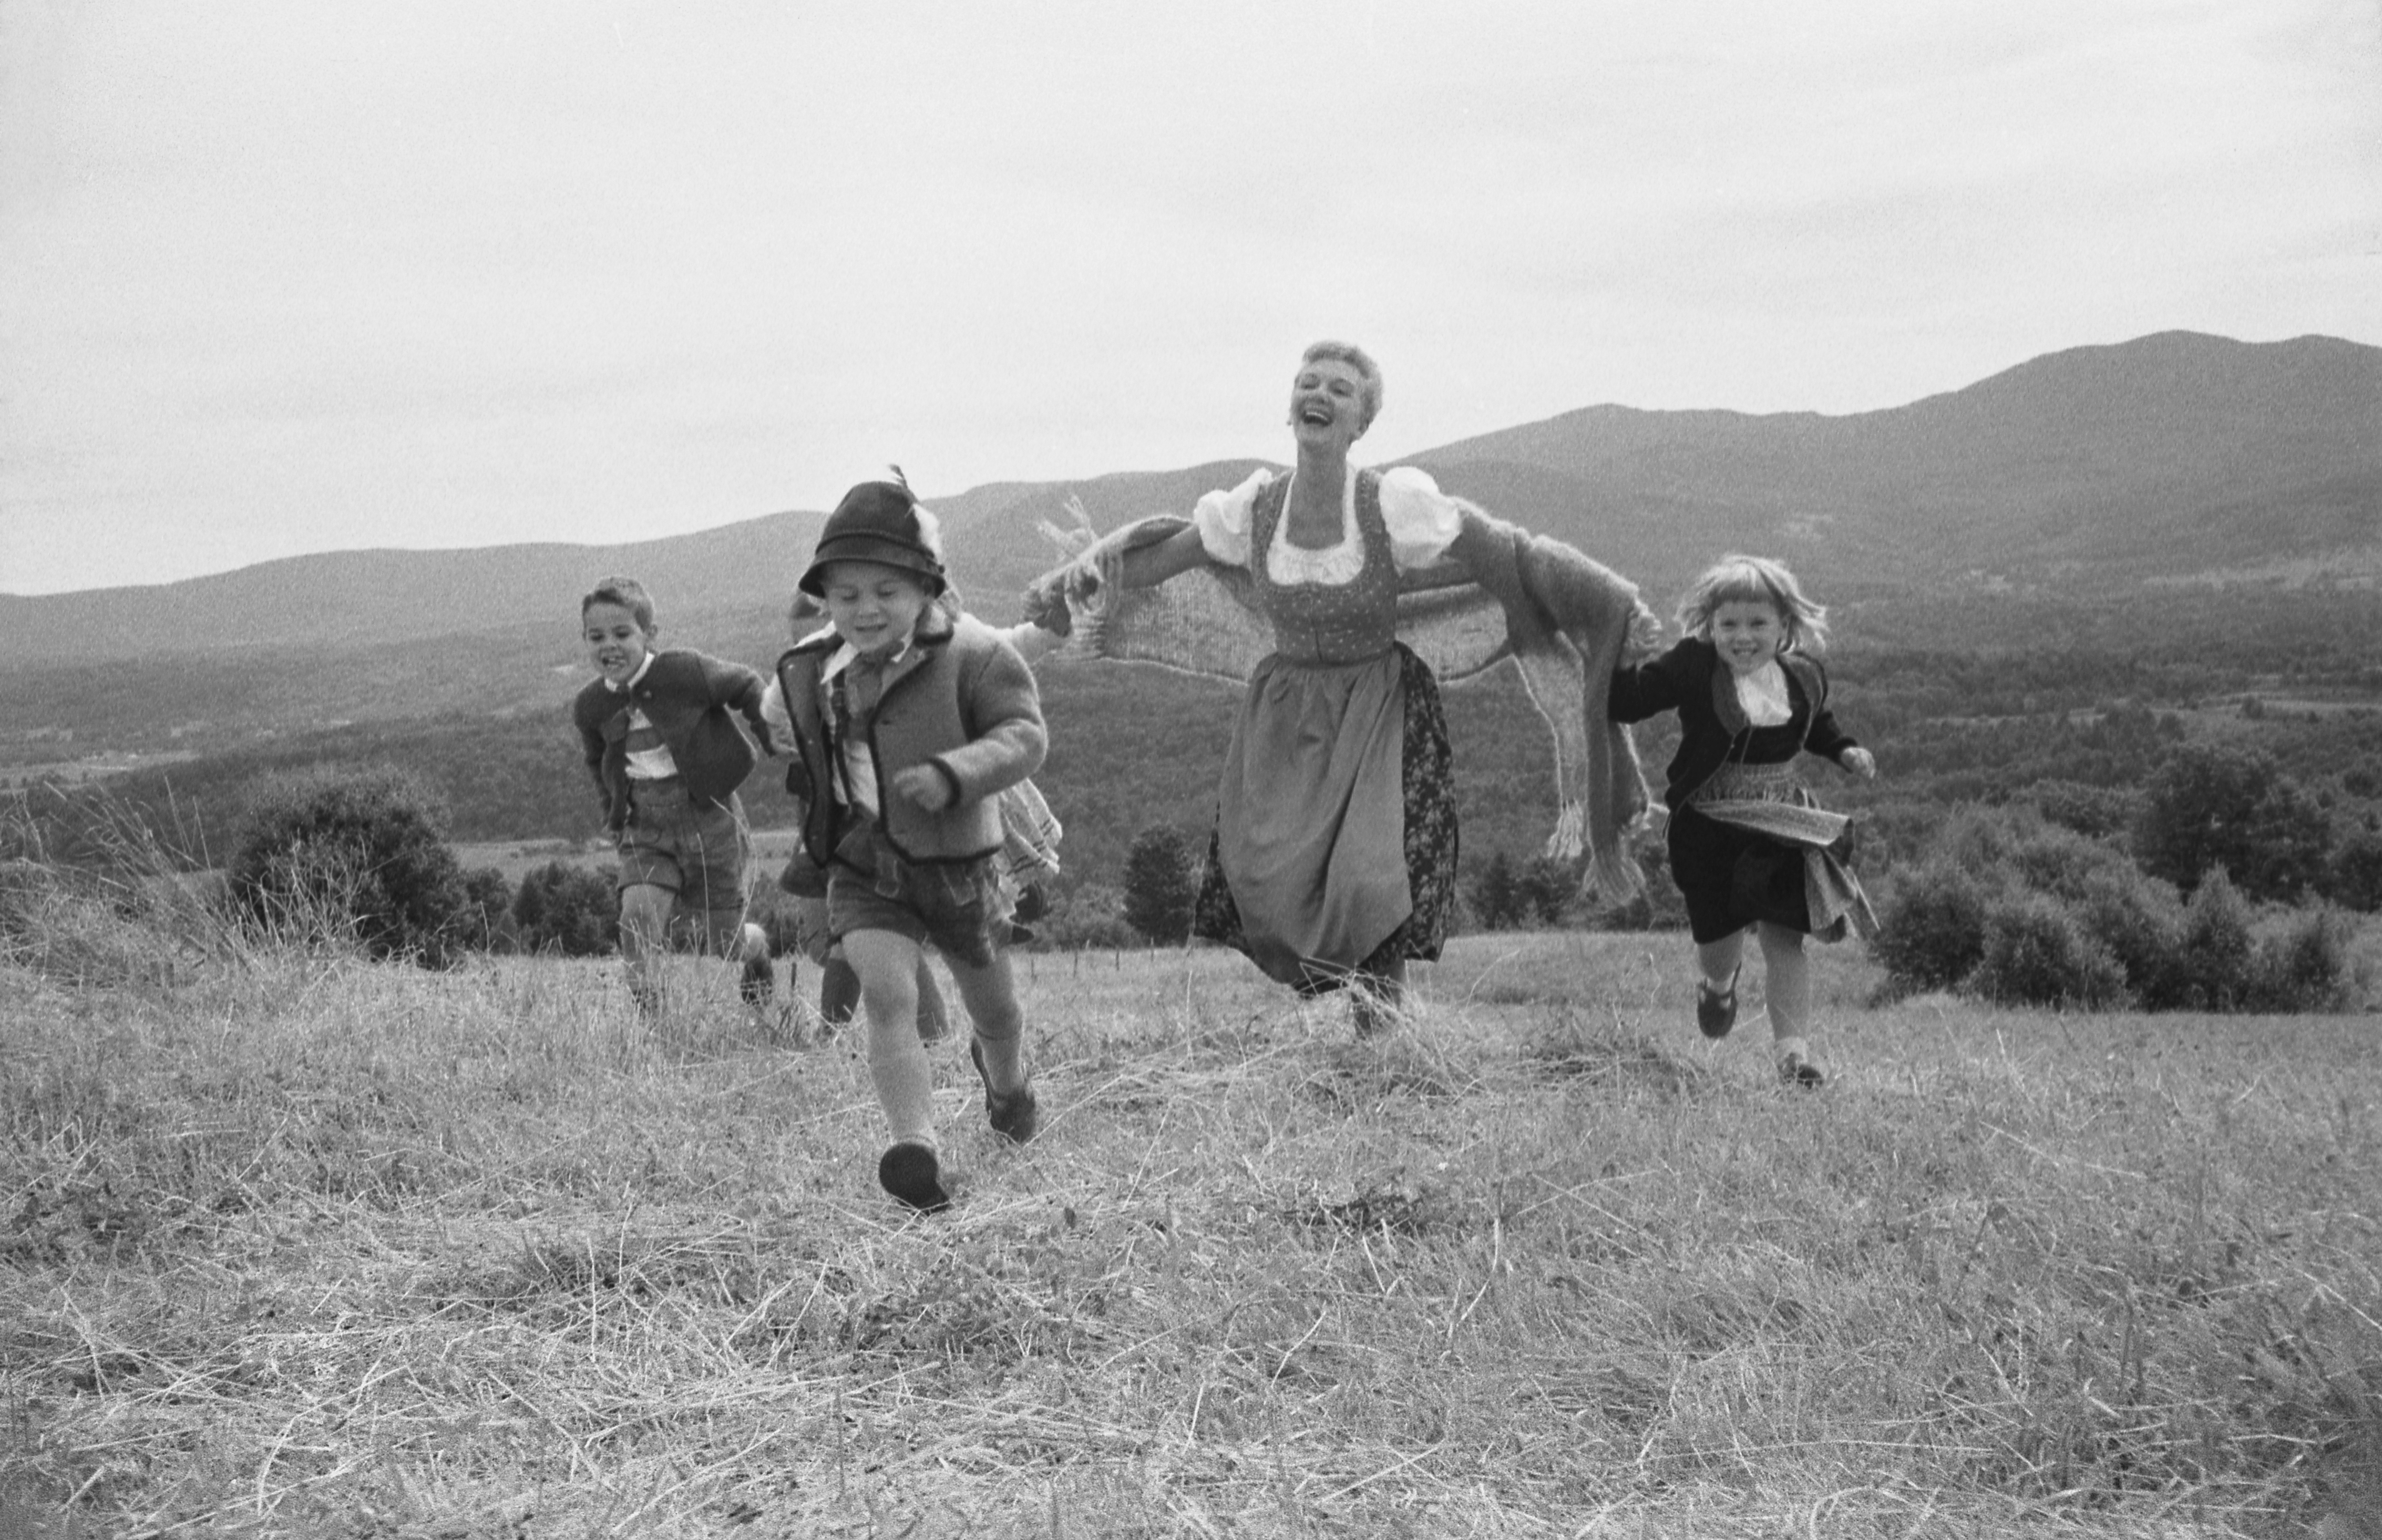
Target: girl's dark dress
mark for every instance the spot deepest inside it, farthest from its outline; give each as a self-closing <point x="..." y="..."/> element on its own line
<point x="1720" y="748"/>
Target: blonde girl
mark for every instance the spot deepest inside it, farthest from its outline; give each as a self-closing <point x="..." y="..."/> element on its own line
<point x="1750" y="849"/>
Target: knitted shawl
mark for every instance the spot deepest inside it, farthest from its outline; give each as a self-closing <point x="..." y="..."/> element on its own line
<point x="1501" y="592"/>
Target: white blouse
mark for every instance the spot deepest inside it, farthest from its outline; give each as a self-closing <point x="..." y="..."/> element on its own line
<point x="1761" y="695"/>
<point x="1423" y="523"/>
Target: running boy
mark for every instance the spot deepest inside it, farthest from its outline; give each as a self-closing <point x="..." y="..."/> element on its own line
<point x="1749" y="846"/>
<point x="1030" y="836"/>
<point x="908" y="723"/>
<point x="668" y="759"/>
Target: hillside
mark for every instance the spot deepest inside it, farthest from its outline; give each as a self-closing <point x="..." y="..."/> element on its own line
<point x="2167" y="457"/>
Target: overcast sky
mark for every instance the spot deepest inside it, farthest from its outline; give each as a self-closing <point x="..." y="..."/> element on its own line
<point x="286" y="277"/>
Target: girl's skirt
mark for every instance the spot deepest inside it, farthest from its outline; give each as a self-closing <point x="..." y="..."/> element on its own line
<point x="1335" y="839"/>
<point x="1753" y="845"/>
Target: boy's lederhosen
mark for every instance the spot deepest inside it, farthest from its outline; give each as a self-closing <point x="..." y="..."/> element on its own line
<point x="699" y="853"/>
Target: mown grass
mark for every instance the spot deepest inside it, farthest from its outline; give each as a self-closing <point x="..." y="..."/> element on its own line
<point x="295" y="1245"/>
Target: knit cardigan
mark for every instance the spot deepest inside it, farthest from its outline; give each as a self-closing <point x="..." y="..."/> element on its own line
<point x="1501" y="592"/>
<point x="687" y="696"/>
<point x="960" y="699"/>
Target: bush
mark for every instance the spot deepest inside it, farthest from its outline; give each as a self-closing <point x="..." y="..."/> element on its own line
<point x="486" y="921"/>
<point x="2212" y="963"/>
<point x="1930" y="935"/>
<point x="2309" y="968"/>
<point x="1495" y="902"/>
<point x="2035" y="952"/>
<point x="342" y="856"/>
<point x="1160" y="883"/>
<point x="2139" y="919"/>
<point x="567" y="909"/>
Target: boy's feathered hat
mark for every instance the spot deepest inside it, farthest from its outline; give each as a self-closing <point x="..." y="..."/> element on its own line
<point x="880" y="522"/>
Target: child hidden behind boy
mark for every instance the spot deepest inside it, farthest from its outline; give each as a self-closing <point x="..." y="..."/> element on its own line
<point x="668" y="758"/>
<point x="908" y="723"/>
<point x="1750" y="848"/>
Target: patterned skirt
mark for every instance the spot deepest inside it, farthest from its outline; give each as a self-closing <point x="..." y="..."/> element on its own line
<point x="1328" y="786"/>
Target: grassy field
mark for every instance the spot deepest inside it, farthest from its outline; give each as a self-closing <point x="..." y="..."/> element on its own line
<point x="302" y="1246"/>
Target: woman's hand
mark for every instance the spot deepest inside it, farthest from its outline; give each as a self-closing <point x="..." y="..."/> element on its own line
<point x="1645" y="633"/>
<point x="925" y="787"/>
<point x="1861" y="761"/>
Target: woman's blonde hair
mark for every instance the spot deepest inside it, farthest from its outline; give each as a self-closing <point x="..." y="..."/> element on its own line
<point x="1758" y="580"/>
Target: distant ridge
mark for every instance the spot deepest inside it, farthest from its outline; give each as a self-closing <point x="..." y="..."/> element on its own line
<point x="2174" y="455"/>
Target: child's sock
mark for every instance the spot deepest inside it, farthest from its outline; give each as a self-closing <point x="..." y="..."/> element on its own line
<point x="1002" y="1061"/>
<point x="905" y="1080"/>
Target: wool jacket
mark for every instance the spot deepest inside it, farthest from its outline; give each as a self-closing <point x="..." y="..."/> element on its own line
<point x="1501" y="592"/>
<point x="1692" y="680"/>
<point x="960" y="699"/>
<point x="687" y="696"/>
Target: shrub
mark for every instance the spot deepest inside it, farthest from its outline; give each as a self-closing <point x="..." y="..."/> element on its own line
<point x="2213" y="964"/>
<point x="2139" y="919"/>
<point x="1160" y="883"/>
<point x="2309" y="968"/>
<point x="486" y="921"/>
<point x="2035" y="952"/>
<point x="340" y="854"/>
<point x="1496" y="904"/>
<point x="567" y="909"/>
<point x="1930" y="935"/>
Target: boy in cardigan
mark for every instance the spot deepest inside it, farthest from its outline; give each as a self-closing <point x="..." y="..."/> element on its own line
<point x="1030" y="836"/>
<point x="908" y="723"/>
<point x="668" y="758"/>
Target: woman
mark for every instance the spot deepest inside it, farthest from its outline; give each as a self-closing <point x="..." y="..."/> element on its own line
<point x="1333" y="858"/>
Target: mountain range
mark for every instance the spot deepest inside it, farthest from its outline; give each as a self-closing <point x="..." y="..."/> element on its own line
<point x="2175" y="457"/>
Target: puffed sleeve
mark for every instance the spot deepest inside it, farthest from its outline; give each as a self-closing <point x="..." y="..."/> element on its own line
<point x="1422" y="520"/>
<point x="1223" y="520"/>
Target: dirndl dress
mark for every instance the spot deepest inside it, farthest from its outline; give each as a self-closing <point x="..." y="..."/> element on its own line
<point x="1335" y="840"/>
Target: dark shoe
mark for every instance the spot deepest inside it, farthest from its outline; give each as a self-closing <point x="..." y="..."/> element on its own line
<point x="912" y="1174"/>
<point x="1014" y="1114"/>
<point x="1716" y="1014"/>
<point x="648" y="999"/>
<point x="757" y="984"/>
<point x="1796" y="1070"/>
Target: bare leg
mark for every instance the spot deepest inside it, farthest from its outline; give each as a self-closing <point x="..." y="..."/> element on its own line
<point x="990" y="995"/>
<point x="1719" y="960"/>
<point x="998" y="1046"/>
<point x="888" y="965"/>
<point x="644" y="940"/>
<point x="1789" y="982"/>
